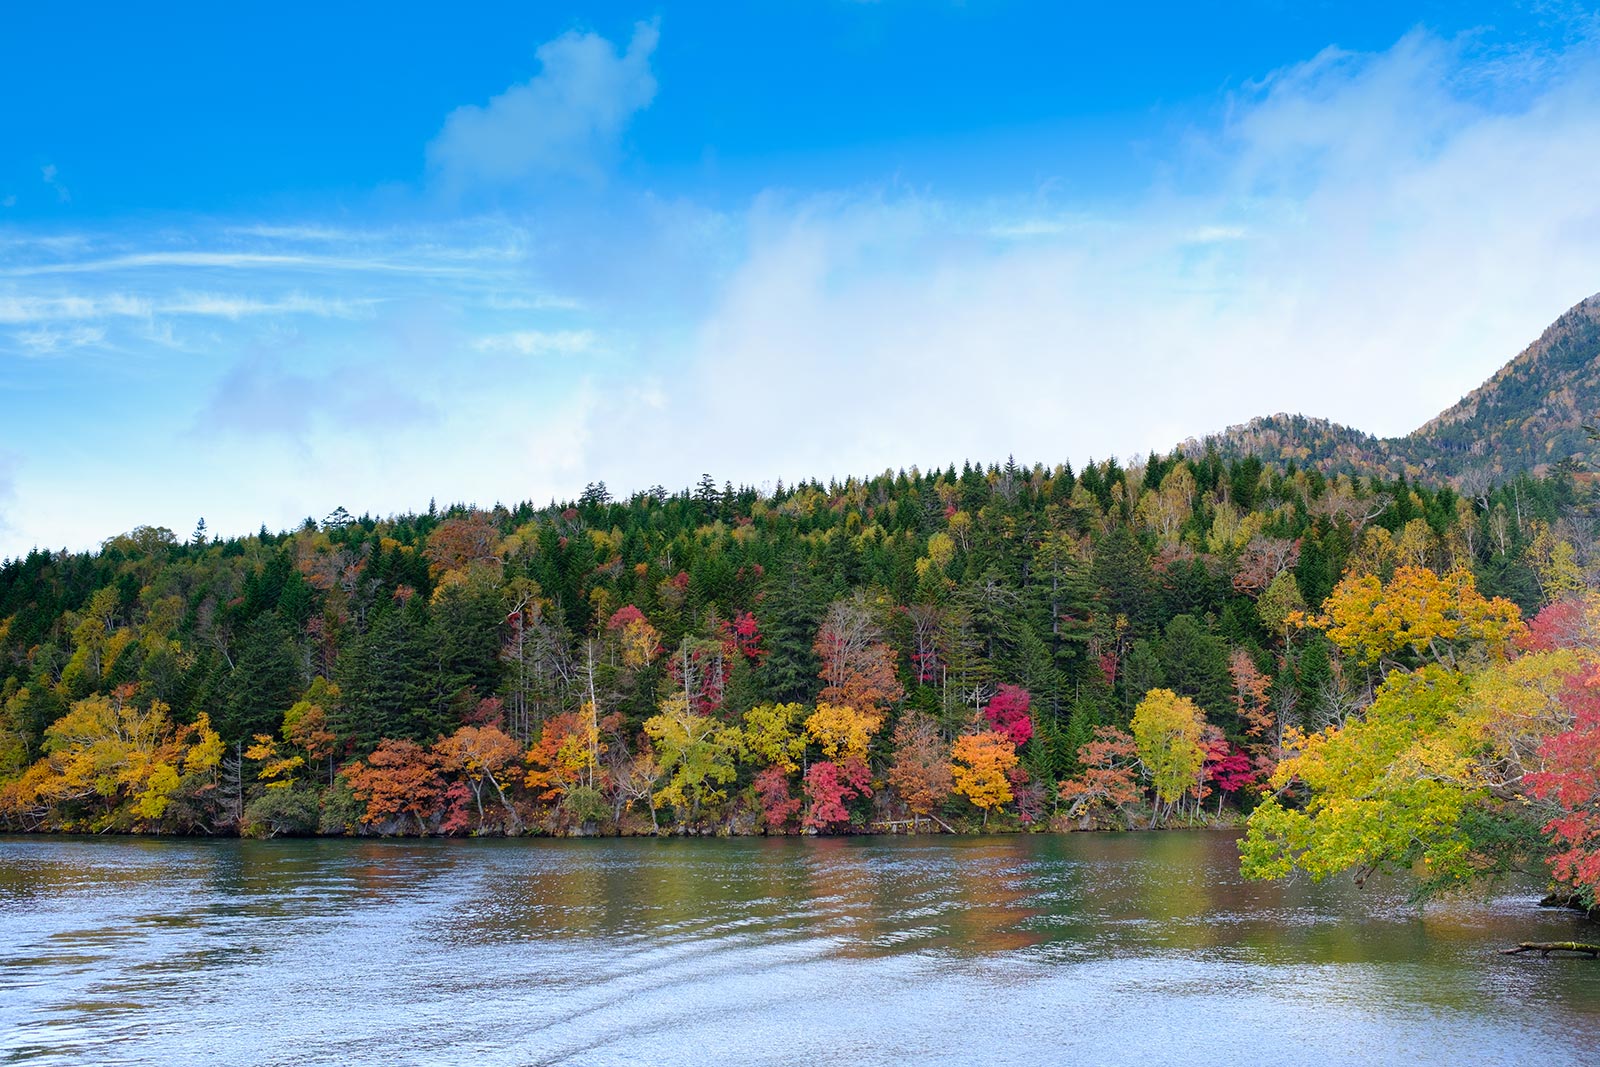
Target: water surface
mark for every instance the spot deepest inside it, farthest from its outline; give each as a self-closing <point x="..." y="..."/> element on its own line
<point x="1075" y="949"/>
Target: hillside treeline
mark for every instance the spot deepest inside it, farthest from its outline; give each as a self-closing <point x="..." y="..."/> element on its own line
<point x="984" y="646"/>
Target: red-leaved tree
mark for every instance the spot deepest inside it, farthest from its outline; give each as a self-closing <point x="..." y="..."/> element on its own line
<point x="778" y="803"/>
<point x="1007" y="712"/>
<point x="1571" y="780"/>
<point x="1228" y="768"/>
<point x="829" y="786"/>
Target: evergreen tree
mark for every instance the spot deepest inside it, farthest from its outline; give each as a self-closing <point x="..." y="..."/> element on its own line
<point x="789" y="616"/>
<point x="267" y="677"/>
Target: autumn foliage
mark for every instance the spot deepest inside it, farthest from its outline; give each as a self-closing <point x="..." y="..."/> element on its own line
<point x="118" y="762"/>
<point x="1109" y="785"/>
<point x="920" y="773"/>
<point x="1418" y="616"/>
<point x="1570" y="780"/>
<point x="399" y="778"/>
<point x="1007" y="714"/>
<point x="979" y="763"/>
<point x="1175" y="639"/>
<point x="830" y="786"/>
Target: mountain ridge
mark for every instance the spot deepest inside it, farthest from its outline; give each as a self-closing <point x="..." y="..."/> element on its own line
<point x="1527" y="416"/>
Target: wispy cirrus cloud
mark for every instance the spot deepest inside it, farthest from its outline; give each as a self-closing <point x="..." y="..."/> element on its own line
<point x="233" y="306"/>
<point x="539" y="342"/>
<point x="234" y="261"/>
<point x="51" y="341"/>
<point x="26" y="310"/>
<point x="124" y="290"/>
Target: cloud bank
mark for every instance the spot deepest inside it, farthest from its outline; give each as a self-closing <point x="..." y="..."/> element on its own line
<point x="1363" y="237"/>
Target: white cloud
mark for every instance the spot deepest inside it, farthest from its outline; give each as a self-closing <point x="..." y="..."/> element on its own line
<point x="534" y="302"/>
<point x="538" y="342"/>
<point x="233" y="306"/>
<point x="49" y="342"/>
<point x="1366" y="237"/>
<point x="302" y="232"/>
<point x="234" y="261"/>
<point x="566" y="120"/>
<point x="29" y="310"/>
<point x="52" y="178"/>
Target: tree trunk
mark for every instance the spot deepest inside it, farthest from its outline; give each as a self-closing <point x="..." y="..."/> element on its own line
<point x="1544" y="948"/>
<point x="505" y="802"/>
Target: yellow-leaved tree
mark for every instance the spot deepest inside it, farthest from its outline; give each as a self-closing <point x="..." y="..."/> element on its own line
<point x="775" y="735"/>
<point x="112" y="762"/>
<point x="842" y="731"/>
<point x="1432" y="776"/>
<point x="1417" y="617"/>
<point x="696" y="752"/>
<point x="1166" y="730"/>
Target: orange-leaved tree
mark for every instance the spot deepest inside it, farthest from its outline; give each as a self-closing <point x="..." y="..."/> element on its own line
<point x="858" y="668"/>
<point x="563" y="764"/>
<point x="397" y="779"/>
<point x="482" y="755"/>
<point x="920" y="773"/>
<point x="1109" y="782"/>
<point x="978" y="766"/>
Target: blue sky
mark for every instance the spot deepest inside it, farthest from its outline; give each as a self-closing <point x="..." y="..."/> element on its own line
<point x="258" y="262"/>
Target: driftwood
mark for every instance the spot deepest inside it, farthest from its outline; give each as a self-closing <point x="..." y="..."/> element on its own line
<point x="1544" y="948"/>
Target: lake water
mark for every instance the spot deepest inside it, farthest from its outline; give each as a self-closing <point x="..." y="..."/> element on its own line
<point x="1075" y="949"/>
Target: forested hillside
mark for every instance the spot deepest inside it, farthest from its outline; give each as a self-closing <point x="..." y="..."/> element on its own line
<point x="1533" y="414"/>
<point x="986" y="647"/>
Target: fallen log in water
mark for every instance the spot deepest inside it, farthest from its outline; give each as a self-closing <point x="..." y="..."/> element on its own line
<point x="1544" y="948"/>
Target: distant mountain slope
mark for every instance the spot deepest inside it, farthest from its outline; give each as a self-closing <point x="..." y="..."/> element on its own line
<point x="1310" y="442"/>
<point x="1530" y="414"/>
